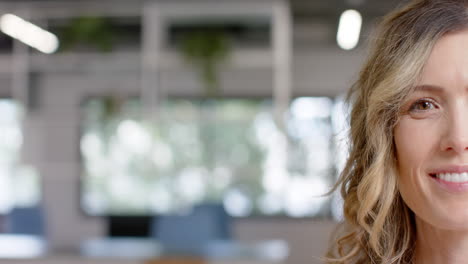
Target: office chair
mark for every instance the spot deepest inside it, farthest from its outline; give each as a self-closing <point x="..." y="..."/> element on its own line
<point x="190" y="234"/>
<point x="26" y="220"/>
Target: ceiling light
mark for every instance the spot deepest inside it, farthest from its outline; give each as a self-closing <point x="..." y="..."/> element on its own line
<point x="349" y="29"/>
<point x="28" y="33"/>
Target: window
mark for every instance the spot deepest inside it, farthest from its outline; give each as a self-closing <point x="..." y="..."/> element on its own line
<point x="200" y="150"/>
<point x="19" y="184"/>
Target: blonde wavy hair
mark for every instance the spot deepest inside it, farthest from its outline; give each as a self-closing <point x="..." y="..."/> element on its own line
<point x="378" y="227"/>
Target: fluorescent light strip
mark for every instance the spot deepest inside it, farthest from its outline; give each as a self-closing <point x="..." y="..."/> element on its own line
<point x="29" y="33"/>
<point x="349" y="29"/>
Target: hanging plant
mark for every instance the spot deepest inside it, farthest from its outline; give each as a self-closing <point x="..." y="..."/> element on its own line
<point x="89" y="31"/>
<point x="111" y="109"/>
<point x="112" y="106"/>
<point x="206" y="50"/>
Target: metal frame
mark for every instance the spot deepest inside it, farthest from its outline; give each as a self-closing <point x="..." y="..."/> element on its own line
<point x="157" y="14"/>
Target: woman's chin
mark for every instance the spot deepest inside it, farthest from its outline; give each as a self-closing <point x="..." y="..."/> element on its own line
<point x="452" y="217"/>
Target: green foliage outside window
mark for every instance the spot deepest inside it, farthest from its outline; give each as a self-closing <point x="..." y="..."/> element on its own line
<point x="210" y="150"/>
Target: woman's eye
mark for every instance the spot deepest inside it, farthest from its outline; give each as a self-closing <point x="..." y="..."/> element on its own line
<point x="422" y="105"/>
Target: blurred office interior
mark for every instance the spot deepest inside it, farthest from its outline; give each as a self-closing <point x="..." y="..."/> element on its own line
<point x="175" y="131"/>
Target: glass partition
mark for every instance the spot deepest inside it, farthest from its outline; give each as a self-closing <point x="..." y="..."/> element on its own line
<point x="226" y="150"/>
<point x="19" y="183"/>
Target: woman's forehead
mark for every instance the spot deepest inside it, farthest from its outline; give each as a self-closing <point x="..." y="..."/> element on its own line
<point x="447" y="65"/>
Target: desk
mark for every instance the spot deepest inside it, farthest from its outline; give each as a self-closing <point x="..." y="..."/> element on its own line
<point x="21" y="246"/>
<point x="24" y="249"/>
<point x="268" y="251"/>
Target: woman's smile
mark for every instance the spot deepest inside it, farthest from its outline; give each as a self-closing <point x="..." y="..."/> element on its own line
<point x="451" y="181"/>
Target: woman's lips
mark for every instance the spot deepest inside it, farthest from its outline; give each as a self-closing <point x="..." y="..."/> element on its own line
<point x="452" y="177"/>
<point x="450" y="169"/>
<point x="452" y="182"/>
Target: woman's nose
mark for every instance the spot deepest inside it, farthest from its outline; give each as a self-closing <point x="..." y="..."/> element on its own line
<point x="456" y="137"/>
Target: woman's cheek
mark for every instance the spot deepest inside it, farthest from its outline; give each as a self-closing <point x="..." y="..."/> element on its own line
<point x="415" y="140"/>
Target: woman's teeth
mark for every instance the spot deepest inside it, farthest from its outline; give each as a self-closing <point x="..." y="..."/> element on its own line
<point x="453" y="177"/>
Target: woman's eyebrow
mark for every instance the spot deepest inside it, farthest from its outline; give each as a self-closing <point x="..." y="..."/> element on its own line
<point x="429" y="88"/>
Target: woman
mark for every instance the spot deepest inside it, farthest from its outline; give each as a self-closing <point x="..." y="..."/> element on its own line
<point x="405" y="184"/>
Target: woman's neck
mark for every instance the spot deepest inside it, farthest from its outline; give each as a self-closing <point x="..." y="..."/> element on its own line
<point x="434" y="245"/>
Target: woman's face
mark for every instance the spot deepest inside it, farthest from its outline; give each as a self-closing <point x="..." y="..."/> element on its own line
<point x="431" y="138"/>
